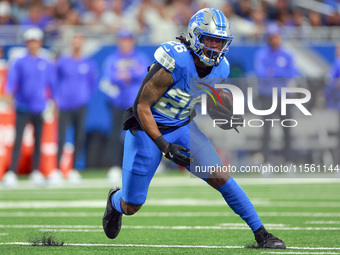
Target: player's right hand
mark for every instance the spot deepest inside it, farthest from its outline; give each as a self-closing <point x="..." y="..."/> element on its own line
<point x="173" y="152"/>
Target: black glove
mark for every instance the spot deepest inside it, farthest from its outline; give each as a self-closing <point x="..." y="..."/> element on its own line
<point x="220" y="112"/>
<point x="174" y="153"/>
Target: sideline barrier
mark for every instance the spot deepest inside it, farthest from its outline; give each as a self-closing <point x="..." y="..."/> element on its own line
<point x="49" y="146"/>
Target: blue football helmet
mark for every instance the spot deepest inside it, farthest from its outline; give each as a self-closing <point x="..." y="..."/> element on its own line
<point x="209" y="23"/>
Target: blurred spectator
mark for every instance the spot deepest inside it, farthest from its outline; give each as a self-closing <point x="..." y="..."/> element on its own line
<point x="274" y="67"/>
<point x="118" y="7"/>
<point x="253" y="27"/>
<point x="333" y="19"/>
<point x="81" y="6"/>
<point x="217" y="4"/>
<point x="315" y="19"/>
<point x="48" y="7"/>
<point x="75" y="85"/>
<point x="19" y="10"/>
<point x="280" y="11"/>
<point x="332" y="92"/>
<point x="243" y="8"/>
<point x="298" y="19"/>
<point x="153" y="22"/>
<point x="121" y="6"/>
<point x="258" y="18"/>
<point x="30" y="77"/>
<point x="150" y="18"/>
<point x="36" y="17"/>
<point x="72" y="18"/>
<point x="5" y="14"/>
<point x="101" y="19"/>
<point x="179" y="11"/>
<point x="125" y="70"/>
<point x="284" y="18"/>
<point x="61" y="9"/>
<point x="283" y="5"/>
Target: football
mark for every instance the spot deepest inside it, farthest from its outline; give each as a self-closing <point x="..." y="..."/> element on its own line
<point x="222" y="94"/>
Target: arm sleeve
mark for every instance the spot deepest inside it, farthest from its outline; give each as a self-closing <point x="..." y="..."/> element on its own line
<point x="13" y="78"/>
<point x="331" y="86"/>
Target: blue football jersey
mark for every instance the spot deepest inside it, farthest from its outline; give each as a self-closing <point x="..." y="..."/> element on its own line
<point x="176" y="104"/>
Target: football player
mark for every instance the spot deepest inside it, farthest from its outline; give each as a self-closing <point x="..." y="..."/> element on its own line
<point x="160" y="121"/>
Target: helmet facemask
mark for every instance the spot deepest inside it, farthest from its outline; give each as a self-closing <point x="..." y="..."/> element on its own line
<point x="204" y="25"/>
<point x="211" y="56"/>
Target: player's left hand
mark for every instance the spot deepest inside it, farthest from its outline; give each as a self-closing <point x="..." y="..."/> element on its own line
<point x="173" y="152"/>
<point x="220" y="112"/>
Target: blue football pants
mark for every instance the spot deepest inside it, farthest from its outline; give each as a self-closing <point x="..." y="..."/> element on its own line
<point x="142" y="157"/>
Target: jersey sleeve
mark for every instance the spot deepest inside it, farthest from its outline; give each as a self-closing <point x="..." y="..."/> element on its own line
<point x="13" y="77"/>
<point x="172" y="57"/>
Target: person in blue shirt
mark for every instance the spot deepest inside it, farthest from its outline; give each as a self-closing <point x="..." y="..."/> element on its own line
<point x="30" y="81"/>
<point x="75" y="84"/>
<point x="36" y="17"/>
<point x="124" y="70"/>
<point x="160" y="122"/>
<point x="275" y="67"/>
<point x="332" y="90"/>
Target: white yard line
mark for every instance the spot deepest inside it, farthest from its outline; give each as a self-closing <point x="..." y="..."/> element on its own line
<point x="50" y="214"/>
<point x="245" y="225"/>
<point x="299" y="214"/>
<point x="94" y="228"/>
<point x="178" y="214"/>
<point x="199" y="227"/>
<point x="171" y="246"/>
<point x="157" y="202"/>
<point x="3" y="234"/>
<point x="52" y="226"/>
<point x="293" y="252"/>
<point x="322" y="222"/>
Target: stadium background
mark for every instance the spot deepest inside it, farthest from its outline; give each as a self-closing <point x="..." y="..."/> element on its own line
<point x="310" y="32"/>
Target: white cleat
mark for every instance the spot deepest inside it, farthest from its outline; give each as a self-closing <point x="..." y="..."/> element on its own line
<point x="55" y="178"/>
<point x="37" y="178"/>
<point x="114" y="175"/>
<point x="74" y="177"/>
<point x="10" y="180"/>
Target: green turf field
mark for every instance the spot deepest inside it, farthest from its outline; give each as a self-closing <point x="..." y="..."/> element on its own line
<point x="182" y="215"/>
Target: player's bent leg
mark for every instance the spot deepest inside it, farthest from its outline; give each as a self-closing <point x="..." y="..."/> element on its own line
<point x="112" y="219"/>
<point x="141" y="159"/>
<point x="205" y="157"/>
<point x="130" y="209"/>
<point x="241" y="205"/>
<point x="216" y="179"/>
